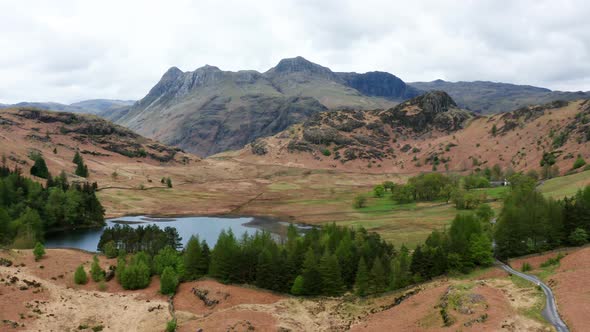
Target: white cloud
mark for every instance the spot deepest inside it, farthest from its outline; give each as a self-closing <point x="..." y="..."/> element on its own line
<point x="72" y="50"/>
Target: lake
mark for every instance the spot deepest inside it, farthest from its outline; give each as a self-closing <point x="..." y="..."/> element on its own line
<point x="208" y="229"/>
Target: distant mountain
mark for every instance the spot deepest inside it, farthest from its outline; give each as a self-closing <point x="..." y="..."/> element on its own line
<point x="94" y="106"/>
<point x="491" y="97"/>
<point x="208" y="110"/>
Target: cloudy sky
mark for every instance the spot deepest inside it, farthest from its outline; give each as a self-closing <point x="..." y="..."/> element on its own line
<point x="67" y="51"/>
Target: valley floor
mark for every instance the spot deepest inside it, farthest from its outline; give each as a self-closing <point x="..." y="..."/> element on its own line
<point x="41" y="296"/>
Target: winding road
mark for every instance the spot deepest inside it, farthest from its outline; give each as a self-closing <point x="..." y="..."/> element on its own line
<point x="550" y="311"/>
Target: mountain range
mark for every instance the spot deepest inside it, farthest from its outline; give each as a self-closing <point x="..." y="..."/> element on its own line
<point x="492" y="97"/>
<point x="209" y="110"/>
<point x="92" y="106"/>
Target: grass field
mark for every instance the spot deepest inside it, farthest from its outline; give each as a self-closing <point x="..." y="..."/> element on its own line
<point x="565" y="185"/>
<point x="408" y="224"/>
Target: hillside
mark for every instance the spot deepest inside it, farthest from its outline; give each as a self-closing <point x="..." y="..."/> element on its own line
<point x="430" y="132"/>
<point x="58" y="135"/>
<point x="92" y="106"/>
<point x="209" y="110"/>
<point x="491" y="97"/>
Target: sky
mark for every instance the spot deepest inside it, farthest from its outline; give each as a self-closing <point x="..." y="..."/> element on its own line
<point x="67" y="51"/>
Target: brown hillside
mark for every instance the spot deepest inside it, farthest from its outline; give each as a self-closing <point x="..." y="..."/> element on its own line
<point x="58" y="135"/>
<point x="426" y="133"/>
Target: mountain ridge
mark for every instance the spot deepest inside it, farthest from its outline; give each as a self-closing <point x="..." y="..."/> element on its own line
<point x="209" y="110"/>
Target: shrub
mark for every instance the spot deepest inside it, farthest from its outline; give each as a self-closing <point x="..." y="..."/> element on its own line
<point x="360" y="201"/>
<point x="326" y="152"/>
<point x="379" y="190"/>
<point x="297" y="288"/>
<point x="102" y="286"/>
<point x="169" y="182"/>
<point x="39" y="251"/>
<point x="171" y="325"/>
<point x="96" y="272"/>
<point x="526" y="267"/>
<point x="579" y="162"/>
<point x="135" y="276"/>
<point x="110" y="250"/>
<point x="578" y="237"/>
<point x="552" y="260"/>
<point x="80" y="277"/>
<point x="168" y="281"/>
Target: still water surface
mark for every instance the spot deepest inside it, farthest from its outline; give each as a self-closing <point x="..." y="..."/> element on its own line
<point x="208" y="228"/>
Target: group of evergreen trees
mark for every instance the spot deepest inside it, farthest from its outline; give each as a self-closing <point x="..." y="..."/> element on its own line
<point x="149" y="239"/>
<point x="28" y="210"/>
<point x="324" y="261"/>
<point x="530" y="223"/>
<point x="81" y="168"/>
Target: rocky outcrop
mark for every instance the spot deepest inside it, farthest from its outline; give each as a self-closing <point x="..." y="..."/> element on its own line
<point x="432" y="110"/>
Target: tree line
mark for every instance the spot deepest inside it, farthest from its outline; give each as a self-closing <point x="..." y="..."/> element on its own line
<point x="28" y="209"/>
<point x="429" y="187"/>
<point x="531" y="223"/>
<point x="330" y="260"/>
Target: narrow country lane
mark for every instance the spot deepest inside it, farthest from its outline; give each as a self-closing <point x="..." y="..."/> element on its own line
<point x="550" y="311"/>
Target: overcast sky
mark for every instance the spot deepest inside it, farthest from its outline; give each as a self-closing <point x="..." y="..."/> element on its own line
<point x="67" y="51"/>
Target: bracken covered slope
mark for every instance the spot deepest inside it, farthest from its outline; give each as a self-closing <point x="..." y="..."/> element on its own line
<point x="58" y="135"/>
<point x="428" y="133"/>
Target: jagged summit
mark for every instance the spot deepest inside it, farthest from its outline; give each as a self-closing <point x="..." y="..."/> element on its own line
<point x="210" y="110"/>
<point x="300" y="65"/>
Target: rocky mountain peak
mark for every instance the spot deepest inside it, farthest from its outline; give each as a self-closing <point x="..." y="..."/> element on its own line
<point x="434" y="102"/>
<point x="172" y="74"/>
<point x="299" y="64"/>
<point x="434" y="109"/>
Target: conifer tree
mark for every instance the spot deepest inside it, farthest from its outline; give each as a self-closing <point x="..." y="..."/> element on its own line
<point x="39" y="251"/>
<point x="297" y="288"/>
<point x="39" y="168"/>
<point x="80" y="277"/>
<point x="168" y="281"/>
<point x="193" y="256"/>
<point x="362" y="279"/>
<point x="378" y="279"/>
<point x="312" y="279"/>
<point x="96" y="272"/>
<point x="330" y="272"/>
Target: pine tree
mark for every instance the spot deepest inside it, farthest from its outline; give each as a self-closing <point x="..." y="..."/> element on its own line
<point x="80" y="277"/>
<point x="193" y="256"/>
<point x="168" y="281"/>
<point x="224" y="257"/>
<point x="297" y="288"/>
<point x="378" y="279"/>
<point x="330" y="272"/>
<point x="96" y="272"/>
<point x="39" y="251"/>
<point x="81" y="168"/>
<point x="39" y="168"/>
<point x="265" y="276"/>
<point x="362" y="279"/>
<point x="312" y="279"/>
<point x="77" y="158"/>
<point x="400" y="269"/>
<point x="110" y="249"/>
